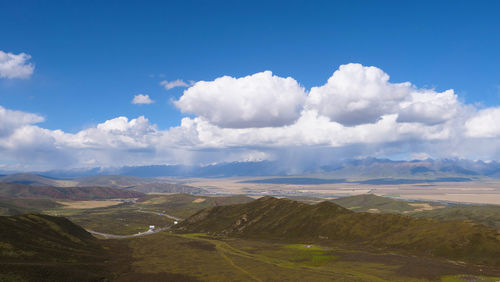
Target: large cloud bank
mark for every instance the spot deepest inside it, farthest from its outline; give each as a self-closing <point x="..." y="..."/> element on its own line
<point x="358" y="112"/>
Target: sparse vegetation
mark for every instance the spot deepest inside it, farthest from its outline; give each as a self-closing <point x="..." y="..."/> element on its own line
<point x="283" y="219"/>
<point x="35" y="247"/>
<point x="488" y="215"/>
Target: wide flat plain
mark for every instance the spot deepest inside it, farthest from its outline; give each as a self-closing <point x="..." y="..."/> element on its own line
<point x="478" y="192"/>
<point x="90" y="204"/>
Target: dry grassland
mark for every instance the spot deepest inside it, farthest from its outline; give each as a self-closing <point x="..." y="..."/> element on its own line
<point x="89" y="204"/>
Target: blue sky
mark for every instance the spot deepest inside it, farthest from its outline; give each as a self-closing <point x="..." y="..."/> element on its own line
<point x="91" y="57"/>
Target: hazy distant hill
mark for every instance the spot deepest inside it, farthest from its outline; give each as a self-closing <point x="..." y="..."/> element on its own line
<point x="33" y="179"/>
<point x="292" y="221"/>
<point x="139" y="184"/>
<point x="69" y="193"/>
<point x="111" y="180"/>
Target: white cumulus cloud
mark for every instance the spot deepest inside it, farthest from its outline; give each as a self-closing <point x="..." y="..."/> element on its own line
<point x="15" y="66"/>
<point x="11" y="120"/>
<point x="485" y="124"/>
<point x="258" y="100"/>
<point x="429" y="107"/>
<point x="142" y="99"/>
<point x="356" y="94"/>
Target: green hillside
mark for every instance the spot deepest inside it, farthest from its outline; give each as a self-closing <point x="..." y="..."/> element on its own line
<point x="12" y="206"/>
<point x="488" y="215"/>
<point x="44" y="248"/>
<point x="283" y="219"/>
<point x="122" y="219"/>
<point x="373" y="203"/>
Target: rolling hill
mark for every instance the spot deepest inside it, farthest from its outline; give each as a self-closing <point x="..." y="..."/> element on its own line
<point x="283" y="219"/>
<point x="8" y="190"/>
<point x="184" y="205"/>
<point x="34" y="180"/>
<point x="13" y="206"/>
<point x="488" y="215"/>
<point x="133" y="183"/>
<point x="373" y="203"/>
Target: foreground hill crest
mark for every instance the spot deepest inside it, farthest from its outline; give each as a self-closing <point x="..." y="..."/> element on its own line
<point x="284" y="219"/>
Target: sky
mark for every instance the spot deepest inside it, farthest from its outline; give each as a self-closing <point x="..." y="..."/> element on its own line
<point x="114" y="83"/>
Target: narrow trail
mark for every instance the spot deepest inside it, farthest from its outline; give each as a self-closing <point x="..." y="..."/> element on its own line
<point x="115" y="236"/>
<point x="231" y="262"/>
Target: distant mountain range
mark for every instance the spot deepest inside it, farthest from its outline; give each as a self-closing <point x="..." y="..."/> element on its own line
<point x="368" y="168"/>
<point x="358" y="168"/>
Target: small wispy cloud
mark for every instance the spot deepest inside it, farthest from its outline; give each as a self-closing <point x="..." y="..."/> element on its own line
<point x="176" y="83"/>
<point x="142" y="99"/>
<point x="15" y="66"/>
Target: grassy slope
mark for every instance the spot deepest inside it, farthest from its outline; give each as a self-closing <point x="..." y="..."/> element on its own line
<point x="285" y="219"/>
<point x="488" y="215"/>
<point x="184" y="205"/>
<point x="70" y="193"/>
<point x="11" y="206"/>
<point x="363" y="203"/>
<point x="45" y="248"/>
<point x="198" y="256"/>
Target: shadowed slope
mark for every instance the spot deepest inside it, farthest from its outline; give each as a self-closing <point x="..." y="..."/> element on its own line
<point x="45" y="248"/>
